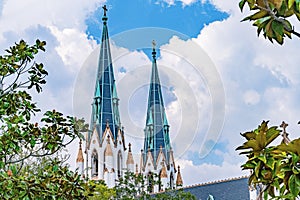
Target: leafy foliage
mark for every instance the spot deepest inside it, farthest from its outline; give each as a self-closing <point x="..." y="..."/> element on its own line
<point x="277" y="167"/>
<point x="137" y="186"/>
<point x="52" y="180"/>
<point x="271" y="17"/>
<point x="101" y="191"/>
<point x="23" y="142"/>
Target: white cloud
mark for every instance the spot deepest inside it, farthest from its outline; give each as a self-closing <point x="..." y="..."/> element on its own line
<point x="253" y="71"/>
<point x="195" y="174"/>
<point x="73" y="46"/>
<point x="188" y="2"/>
<point x="19" y="15"/>
<point x="251" y="97"/>
<point x="184" y="2"/>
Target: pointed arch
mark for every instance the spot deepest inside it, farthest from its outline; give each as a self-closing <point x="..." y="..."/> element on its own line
<point x="119" y="163"/>
<point x="95" y="163"/>
<point x="160" y="188"/>
<point x="172" y="180"/>
<point x="104" y="160"/>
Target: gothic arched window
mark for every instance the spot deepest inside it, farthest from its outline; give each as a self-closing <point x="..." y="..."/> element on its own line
<point x="171" y="180"/>
<point x="159" y="182"/>
<point x="119" y="164"/>
<point x="94" y="165"/>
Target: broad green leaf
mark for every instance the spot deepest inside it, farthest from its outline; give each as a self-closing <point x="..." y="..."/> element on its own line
<point x="290" y="3"/>
<point x="272" y="134"/>
<point x="270" y="162"/>
<point x="258" y="15"/>
<point x="293" y="187"/>
<point x="262" y="158"/>
<point x="257" y="169"/>
<point x="277" y="27"/>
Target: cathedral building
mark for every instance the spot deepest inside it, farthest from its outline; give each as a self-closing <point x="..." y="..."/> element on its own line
<point x="107" y="156"/>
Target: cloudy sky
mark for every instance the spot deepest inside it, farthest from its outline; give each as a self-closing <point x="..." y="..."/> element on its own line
<point x="218" y="77"/>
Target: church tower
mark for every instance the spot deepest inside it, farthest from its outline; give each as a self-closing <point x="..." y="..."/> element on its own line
<point x="157" y="155"/>
<point x="105" y="143"/>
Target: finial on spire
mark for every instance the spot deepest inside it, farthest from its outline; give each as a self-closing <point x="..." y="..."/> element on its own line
<point x="104" y="9"/>
<point x="104" y="18"/>
<point x="153" y="44"/>
<point x="153" y="48"/>
<point x="129" y="146"/>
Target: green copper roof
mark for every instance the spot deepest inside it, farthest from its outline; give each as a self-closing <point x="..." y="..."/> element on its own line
<point x="105" y="106"/>
<point x="157" y="127"/>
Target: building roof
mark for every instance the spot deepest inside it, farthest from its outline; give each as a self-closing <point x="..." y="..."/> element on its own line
<point x="108" y="150"/>
<point x="179" y="181"/>
<point x="129" y="157"/>
<point x="80" y="158"/>
<point x="163" y="173"/>
<point x="230" y="189"/>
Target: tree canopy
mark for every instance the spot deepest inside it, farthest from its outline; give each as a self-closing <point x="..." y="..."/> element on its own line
<point x="273" y="17"/>
<point x="29" y="167"/>
<point x="275" y="168"/>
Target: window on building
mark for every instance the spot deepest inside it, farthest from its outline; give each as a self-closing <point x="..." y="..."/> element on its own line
<point x="171" y="180"/>
<point x="159" y="182"/>
<point x="119" y="164"/>
<point x="95" y="163"/>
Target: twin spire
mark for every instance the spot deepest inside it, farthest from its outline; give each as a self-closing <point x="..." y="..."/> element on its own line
<point x="105" y="119"/>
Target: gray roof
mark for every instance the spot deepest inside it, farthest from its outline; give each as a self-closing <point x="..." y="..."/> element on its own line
<point x="234" y="189"/>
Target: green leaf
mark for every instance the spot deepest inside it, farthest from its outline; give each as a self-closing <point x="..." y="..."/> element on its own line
<point x="55" y="168"/>
<point x="290" y="3"/>
<point x="241" y="4"/>
<point x="262" y="158"/>
<point x="293" y="187"/>
<point x="257" y="169"/>
<point x="277" y="27"/>
<point x="32" y="142"/>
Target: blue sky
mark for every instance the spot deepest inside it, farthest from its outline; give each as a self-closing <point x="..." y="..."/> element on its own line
<point x="123" y="16"/>
<point x="219" y="78"/>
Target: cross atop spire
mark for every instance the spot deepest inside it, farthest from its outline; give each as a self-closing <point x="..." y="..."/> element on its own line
<point x="104" y="9"/>
<point x="104" y="18"/>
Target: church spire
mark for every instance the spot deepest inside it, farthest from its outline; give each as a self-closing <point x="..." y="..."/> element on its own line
<point x="157" y="127"/>
<point x="80" y="160"/>
<point x="105" y="105"/>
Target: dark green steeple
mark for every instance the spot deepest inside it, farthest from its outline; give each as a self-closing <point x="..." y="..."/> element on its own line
<point x="157" y="127"/>
<point x="105" y="109"/>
